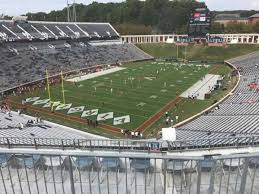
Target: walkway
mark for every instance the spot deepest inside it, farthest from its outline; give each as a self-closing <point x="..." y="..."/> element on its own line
<point x="202" y="87"/>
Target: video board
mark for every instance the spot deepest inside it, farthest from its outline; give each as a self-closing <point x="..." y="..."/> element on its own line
<point x="200" y="22"/>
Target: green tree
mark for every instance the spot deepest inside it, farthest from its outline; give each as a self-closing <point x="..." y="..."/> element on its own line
<point x="256" y="27"/>
<point x="163" y="16"/>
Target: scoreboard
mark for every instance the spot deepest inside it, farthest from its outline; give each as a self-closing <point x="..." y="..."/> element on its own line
<point x="199" y="23"/>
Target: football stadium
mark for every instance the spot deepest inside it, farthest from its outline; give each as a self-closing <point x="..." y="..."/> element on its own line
<point x="85" y="109"/>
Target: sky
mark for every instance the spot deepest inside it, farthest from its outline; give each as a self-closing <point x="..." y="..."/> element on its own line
<point x="232" y="4"/>
<point x="18" y="7"/>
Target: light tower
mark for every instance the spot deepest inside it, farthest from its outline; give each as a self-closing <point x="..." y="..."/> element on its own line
<point x="71" y="15"/>
<point x="68" y="11"/>
<point x="74" y="10"/>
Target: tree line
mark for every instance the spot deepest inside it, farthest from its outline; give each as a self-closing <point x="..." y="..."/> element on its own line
<point x="233" y="28"/>
<point x="131" y="16"/>
<point x="144" y="17"/>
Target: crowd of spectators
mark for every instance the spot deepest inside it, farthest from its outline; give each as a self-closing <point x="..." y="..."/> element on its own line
<point x="238" y="114"/>
<point x="27" y="65"/>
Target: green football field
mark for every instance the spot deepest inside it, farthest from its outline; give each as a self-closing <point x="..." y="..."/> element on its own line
<point x="138" y="91"/>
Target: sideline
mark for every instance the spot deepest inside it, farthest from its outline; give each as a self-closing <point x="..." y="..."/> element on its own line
<point x="64" y="116"/>
<point x="142" y="128"/>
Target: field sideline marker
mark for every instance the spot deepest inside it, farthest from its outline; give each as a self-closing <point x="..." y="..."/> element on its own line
<point x="64" y="116"/>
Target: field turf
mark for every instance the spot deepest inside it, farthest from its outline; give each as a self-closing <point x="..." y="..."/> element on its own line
<point x="127" y="95"/>
<point x="140" y="90"/>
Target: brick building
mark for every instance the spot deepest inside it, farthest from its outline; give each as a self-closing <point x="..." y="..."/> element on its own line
<point x="254" y="18"/>
<point x="226" y="19"/>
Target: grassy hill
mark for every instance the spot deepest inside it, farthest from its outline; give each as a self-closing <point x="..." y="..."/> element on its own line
<point x="198" y="52"/>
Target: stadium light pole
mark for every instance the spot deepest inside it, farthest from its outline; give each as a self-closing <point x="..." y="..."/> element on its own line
<point x="71" y="15"/>
<point x="68" y="12"/>
<point x="74" y="10"/>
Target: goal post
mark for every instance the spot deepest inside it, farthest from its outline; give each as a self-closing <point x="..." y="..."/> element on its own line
<point x="62" y="87"/>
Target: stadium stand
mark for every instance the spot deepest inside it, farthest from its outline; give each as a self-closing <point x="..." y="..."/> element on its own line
<point x="41" y="157"/>
<point x="23" y="126"/>
<point x="237" y="115"/>
<point x="11" y="31"/>
<point x="25" y="55"/>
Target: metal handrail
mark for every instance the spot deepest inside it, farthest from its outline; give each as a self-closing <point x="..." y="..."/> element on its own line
<point x="130" y="145"/>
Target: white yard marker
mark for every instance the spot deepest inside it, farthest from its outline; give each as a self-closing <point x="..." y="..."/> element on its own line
<point x="121" y="120"/>
<point x="32" y="99"/>
<point x="49" y="104"/>
<point x="64" y="106"/>
<point x="141" y="104"/>
<point x="164" y="90"/>
<point x="150" y="78"/>
<point x="153" y="97"/>
<point x="88" y="113"/>
<point x="76" y="109"/>
<point x="44" y="101"/>
<point x="105" y="116"/>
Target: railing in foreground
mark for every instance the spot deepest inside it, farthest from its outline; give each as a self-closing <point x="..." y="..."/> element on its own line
<point x="78" y="174"/>
<point x="130" y="145"/>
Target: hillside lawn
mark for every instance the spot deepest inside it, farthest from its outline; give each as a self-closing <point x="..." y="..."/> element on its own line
<point x="197" y="52"/>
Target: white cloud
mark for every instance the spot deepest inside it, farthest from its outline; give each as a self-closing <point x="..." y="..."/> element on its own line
<point x="255" y="4"/>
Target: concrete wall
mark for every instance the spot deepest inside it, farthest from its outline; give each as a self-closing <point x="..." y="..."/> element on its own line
<point x="170" y="38"/>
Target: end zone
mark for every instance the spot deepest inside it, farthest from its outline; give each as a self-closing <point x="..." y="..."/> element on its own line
<point x="96" y="74"/>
